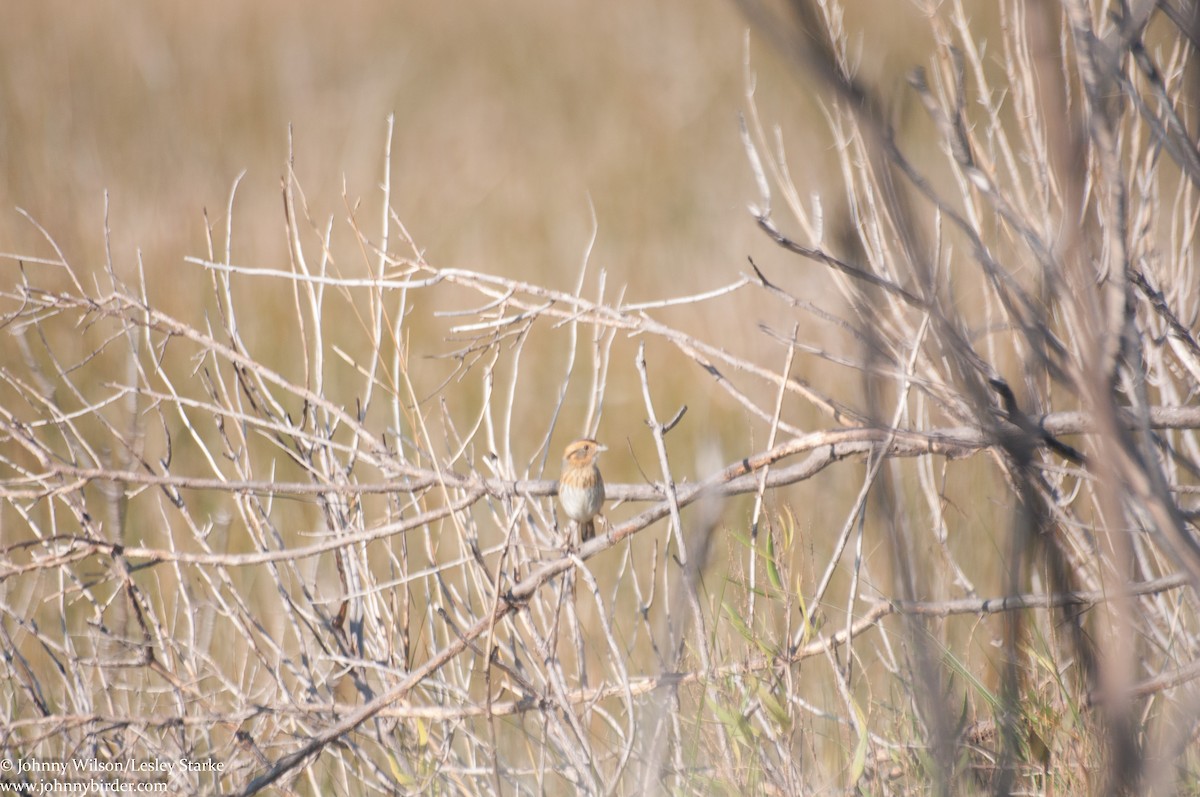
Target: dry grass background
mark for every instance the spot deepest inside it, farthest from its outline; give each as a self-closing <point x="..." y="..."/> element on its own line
<point x="376" y="600"/>
<point x="508" y="120"/>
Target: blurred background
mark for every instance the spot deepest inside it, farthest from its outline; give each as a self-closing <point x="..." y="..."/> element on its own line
<point x="520" y="130"/>
<point x="509" y="118"/>
<point x="511" y="121"/>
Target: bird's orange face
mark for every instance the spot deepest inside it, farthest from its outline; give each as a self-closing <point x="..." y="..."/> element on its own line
<point x="582" y="453"/>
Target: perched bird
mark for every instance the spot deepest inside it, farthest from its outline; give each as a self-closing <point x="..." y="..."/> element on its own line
<point x="580" y="487"/>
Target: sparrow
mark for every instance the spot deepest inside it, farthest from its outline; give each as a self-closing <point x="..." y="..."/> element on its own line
<point x="580" y="486"/>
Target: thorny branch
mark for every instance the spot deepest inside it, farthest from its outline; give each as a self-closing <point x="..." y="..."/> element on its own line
<point x="349" y="564"/>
